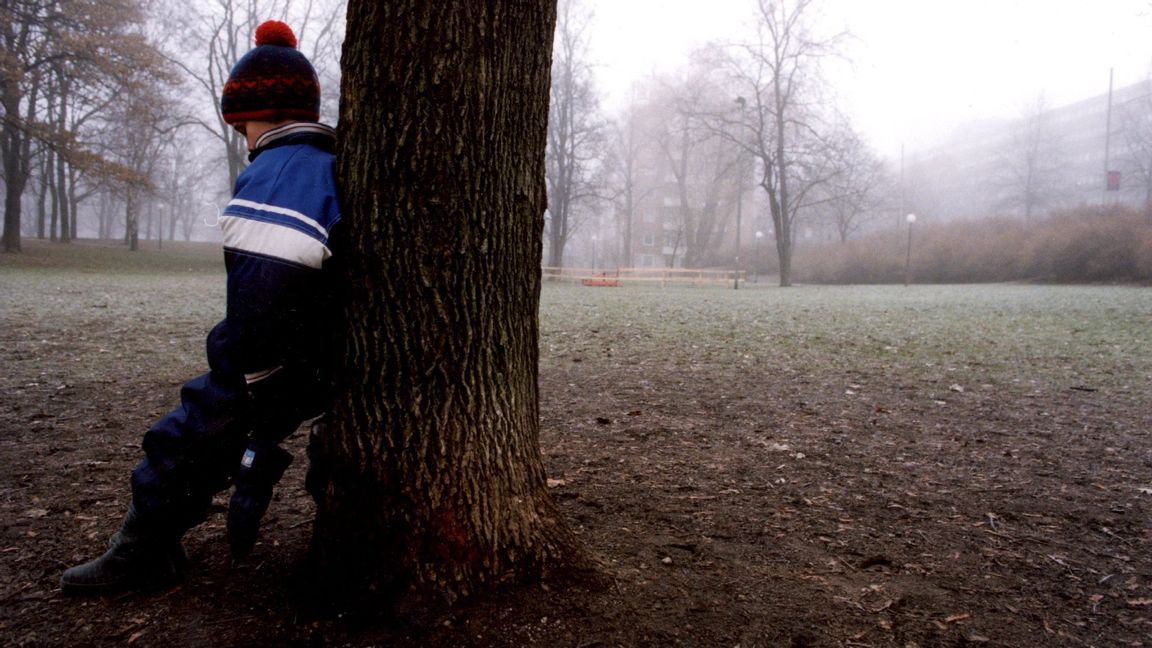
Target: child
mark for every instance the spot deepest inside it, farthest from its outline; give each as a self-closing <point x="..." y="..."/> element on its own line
<point x="268" y="357"/>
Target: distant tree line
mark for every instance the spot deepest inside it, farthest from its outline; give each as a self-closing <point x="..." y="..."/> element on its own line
<point x="111" y="125"/>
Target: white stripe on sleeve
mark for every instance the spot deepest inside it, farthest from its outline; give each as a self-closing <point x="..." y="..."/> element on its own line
<point x="270" y="239"/>
<point x="283" y="211"/>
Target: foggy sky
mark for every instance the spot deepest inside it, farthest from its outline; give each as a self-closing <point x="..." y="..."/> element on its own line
<point x="917" y="67"/>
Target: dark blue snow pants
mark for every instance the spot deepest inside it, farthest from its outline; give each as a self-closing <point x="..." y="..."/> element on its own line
<point x="197" y="449"/>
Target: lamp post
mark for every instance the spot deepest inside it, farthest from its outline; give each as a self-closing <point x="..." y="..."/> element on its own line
<point x="736" y="275"/>
<point x="911" y="218"/>
<point x="741" y="102"/>
<point x="759" y="237"/>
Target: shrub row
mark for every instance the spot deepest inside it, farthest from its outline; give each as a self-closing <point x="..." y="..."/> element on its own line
<point x="1083" y="245"/>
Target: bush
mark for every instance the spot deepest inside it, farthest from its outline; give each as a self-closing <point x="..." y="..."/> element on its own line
<point x="1083" y="245"/>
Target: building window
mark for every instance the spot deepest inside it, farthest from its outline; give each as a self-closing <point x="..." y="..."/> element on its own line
<point x="647" y="260"/>
<point x="649" y="240"/>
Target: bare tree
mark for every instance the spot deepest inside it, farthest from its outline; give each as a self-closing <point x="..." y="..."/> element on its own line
<point x="1030" y="168"/>
<point x="708" y="170"/>
<point x="64" y="62"/>
<point x="1135" y="121"/>
<point x="777" y="117"/>
<point x="628" y="148"/>
<point x="859" y="191"/>
<point x="430" y="477"/>
<point x="575" y="132"/>
<point x="25" y="50"/>
<point x="185" y="174"/>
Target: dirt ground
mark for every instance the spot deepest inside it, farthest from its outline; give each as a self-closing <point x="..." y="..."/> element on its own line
<point x="770" y="502"/>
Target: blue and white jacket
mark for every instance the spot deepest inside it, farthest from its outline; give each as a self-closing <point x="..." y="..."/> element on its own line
<point x="277" y="229"/>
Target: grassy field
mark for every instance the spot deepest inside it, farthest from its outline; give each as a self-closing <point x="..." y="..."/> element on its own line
<point x="1004" y="335"/>
<point x="1088" y="335"/>
<point x="816" y="466"/>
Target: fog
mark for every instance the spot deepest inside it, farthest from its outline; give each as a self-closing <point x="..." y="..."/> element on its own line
<point x="687" y="156"/>
<point x="913" y="70"/>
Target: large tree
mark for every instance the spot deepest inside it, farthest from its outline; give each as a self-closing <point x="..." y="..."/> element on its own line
<point x="575" y="132"/>
<point x="430" y="477"/>
<point x="625" y="175"/>
<point x="61" y="61"/>
<point x="706" y="167"/>
<point x="781" y="117"/>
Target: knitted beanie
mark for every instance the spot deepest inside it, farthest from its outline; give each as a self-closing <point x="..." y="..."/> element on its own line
<point x="273" y="81"/>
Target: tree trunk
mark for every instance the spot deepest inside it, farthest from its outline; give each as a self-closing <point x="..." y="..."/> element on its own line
<point x="629" y="208"/>
<point x="61" y="180"/>
<point x="131" y="221"/>
<point x="42" y="201"/>
<point x="15" y="170"/>
<point x="430" y="478"/>
<point x="53" y="194"/>
<point x="73" y="201"/>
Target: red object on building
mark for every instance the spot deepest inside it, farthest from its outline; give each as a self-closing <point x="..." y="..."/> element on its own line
<point x="1113" y="181"/>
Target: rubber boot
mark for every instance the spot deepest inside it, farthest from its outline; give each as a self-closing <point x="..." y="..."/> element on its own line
<point x="138" y="559"/>
<point x="260" y="470"/>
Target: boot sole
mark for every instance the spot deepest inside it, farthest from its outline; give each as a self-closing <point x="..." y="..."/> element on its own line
<point x="118" y="587"/>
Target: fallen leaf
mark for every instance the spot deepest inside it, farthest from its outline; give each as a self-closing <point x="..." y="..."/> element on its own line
<point x="958" y="617"/>
<point x="1140" y="602"/>
<point x="36" y="513"/>
<point x="553" y="483"/>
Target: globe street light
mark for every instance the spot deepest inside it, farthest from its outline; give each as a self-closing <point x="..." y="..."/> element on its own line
<point x="911" y="218"/>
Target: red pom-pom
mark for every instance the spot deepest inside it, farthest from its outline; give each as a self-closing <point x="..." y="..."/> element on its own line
<point x="274" y="32"/>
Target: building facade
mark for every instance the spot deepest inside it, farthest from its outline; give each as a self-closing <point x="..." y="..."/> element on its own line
<point x="1086" y="153"/>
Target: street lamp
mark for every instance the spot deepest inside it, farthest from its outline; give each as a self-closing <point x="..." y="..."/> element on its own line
<point x="911" y="218"/>
<point x="759" y="236"/>
<point x="740" y="101"/>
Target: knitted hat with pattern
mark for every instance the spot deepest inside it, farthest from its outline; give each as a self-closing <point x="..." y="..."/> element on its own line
<point x="273" y="81"/>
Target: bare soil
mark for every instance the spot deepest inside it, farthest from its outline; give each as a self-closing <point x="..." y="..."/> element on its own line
<point x="734" y="494"/>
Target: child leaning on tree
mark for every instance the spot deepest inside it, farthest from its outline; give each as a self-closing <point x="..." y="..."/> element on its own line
<point x="268" y="358"/>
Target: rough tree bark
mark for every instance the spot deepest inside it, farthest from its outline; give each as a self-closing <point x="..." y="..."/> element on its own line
<point x="430" y="477"/>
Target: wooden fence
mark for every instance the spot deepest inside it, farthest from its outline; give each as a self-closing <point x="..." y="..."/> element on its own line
<point x="662" y="276"/>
